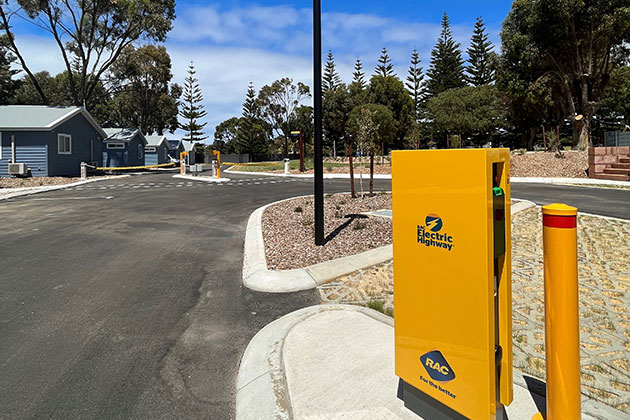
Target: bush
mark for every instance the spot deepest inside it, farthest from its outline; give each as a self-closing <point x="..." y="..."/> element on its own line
<point x="377" y="305"/>
<point x="359" y="225"/>
<point x="298" y="209"/>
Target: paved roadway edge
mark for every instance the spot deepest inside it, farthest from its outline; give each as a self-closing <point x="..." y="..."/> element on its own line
<point x="43" y="189"/>
<point x="586" y="182"/>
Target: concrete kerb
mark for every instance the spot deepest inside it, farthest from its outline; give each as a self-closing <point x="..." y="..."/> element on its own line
<point x="7" y="193"/>
<point x="262" y="388"/>
<point x="202" y="178"/>
<point x="257" y="276"/>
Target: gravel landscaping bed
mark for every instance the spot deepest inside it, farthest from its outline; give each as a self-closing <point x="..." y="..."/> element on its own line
<point x="42" y="181"/>
<point x="288" y="229"/>
<point x="573" y="164"/>
<point x="604" y="293"/>
<point x="35" y="182"/>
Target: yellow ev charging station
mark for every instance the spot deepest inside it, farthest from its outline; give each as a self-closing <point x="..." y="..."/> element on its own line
<point x="452" y="282"/>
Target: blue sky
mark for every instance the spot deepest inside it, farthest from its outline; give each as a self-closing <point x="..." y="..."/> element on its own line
<point x="234" y="42"/>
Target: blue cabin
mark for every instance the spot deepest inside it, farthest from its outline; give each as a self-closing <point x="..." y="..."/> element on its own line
<point x="123" y="147"/>
<point x="51" y="141"/>
<point x="175" y="148"/>
<point x="190" y="148"/>
<point x="156" y="151"/>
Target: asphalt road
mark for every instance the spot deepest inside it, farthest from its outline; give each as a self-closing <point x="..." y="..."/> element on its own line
<point x="123" y="299"/>
<point x="603" y="201"/>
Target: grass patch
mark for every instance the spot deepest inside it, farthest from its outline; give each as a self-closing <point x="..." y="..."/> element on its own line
<point x="379" y="305"/>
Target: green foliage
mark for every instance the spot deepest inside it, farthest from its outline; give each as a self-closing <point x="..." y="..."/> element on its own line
<point x="192" y="108"/>
<point x="336" y="109"/>
<point x="142" y="95"/>
<point x="298" y="209"/>
<point x="414" y="83"/>
<point x="330" y="79"/>
<point x="253" y="133"/>
<point x="446" y="70"/>
<point x="615" y="111"/>
<point x="358" y="77"/>
<point x="90" y="35"/>
<point x="225" y="135"/>
<point x="370" y="125"/>
<point x="467" y="111"/>
<point x="279" y="102"/>
<point x="480" y="57"/>
<point x="385" y="68"/>
<point x="8" y="86"/>
<point x="303" y="121"/>
<point x="359" y="225"/>
<point x="391" y="92"/>
<point x="575" y="46"/>
<point x="377" y="305"/>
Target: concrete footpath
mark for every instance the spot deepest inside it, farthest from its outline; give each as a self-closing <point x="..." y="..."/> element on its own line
<point x="330" y="362"/>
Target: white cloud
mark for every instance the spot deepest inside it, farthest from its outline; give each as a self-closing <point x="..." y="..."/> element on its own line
<point x="232" y="46"/>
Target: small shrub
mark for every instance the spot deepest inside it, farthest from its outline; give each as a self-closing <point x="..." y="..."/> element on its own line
<point x="298" y="209"/>
<point x="359" y="225"/>
<point x="389" y="312"/>
<point x="377" y="305"/>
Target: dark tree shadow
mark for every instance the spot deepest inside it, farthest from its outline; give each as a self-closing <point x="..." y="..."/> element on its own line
<point x="340" y="228"/>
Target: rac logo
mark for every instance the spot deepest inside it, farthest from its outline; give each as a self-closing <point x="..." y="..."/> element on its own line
<point x="433" y="222"/>
<point x="437" y="367"/>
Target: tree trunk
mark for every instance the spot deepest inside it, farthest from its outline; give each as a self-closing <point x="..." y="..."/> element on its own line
<point x="382" y="153"/>
<point x="371" y="171"/>
<point x="582" y="133"/>
<point x="532" y="137"/>
<point x="352" y="192"/>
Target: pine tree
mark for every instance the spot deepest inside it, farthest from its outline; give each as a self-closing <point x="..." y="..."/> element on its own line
<point x="480" y="71"/>
<point x="358" y="77"/>
<point x="8" y="85"/>
<point x="385" y="67"/>
<point x="446" y="70"/>
<point x="330" y="79"/>
<point x="192" y="108"/>
<point x="252" y="136"/>
<point x="414" y="82"/>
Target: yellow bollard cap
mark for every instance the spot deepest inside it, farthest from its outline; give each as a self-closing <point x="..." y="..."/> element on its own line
<point x="558" y="209"/>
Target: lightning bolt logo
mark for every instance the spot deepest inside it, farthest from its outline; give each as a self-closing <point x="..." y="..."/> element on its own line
<point x="434" y="222"/>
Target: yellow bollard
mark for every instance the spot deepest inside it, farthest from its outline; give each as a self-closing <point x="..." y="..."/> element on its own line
<point x="218" y="155"/>
<point x="562" y="335"/>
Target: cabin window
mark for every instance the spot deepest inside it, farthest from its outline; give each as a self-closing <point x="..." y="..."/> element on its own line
<point x="140" y="151"/>
<point x="150" y="149"/>
<point x="115" y="145"/>
<point x="64" y="144"/>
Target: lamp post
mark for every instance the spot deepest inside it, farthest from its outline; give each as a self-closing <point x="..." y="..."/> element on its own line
<point x="318" y="164"/>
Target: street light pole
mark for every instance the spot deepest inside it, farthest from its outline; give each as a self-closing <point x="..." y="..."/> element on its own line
<point x="318" y="163"/>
